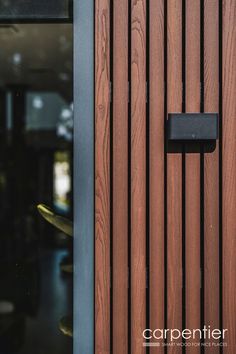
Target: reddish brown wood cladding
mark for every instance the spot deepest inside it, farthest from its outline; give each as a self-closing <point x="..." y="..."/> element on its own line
<point x="192" y="178"/>
<point x="174" y="172"/>
<point x="229" y="173"/>
<point x="211" y="170"/>
<point x="157" y="167"/>
<point x="102" y="178"/>
<point x="156" y="182"/>
<point x="138" y="174"/>
<point x="120" y="177"/>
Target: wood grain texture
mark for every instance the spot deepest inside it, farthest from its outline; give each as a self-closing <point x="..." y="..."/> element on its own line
<point x="174" y="172"/>
<point x="211" y="170"/>
<point x="102" y="177"/>
<point x="138" y="174"/>
<point x="156" y="135"/>
<point x="120" y="177"/>
<point x="229" y="173"/>
<point x="192" y="175"/>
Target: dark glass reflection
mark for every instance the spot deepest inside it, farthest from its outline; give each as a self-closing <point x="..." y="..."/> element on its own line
<point x="36" y="136"/>
<point x="34" y="9"/>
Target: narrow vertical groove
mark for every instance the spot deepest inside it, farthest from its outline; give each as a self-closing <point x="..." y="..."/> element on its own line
<point x="183" y="246"/>
<point x="202" y="244"/>
<point x="165" y="172"/>
<point x="147" y="173"/>
<point x="220" y="177"/>
<point x="184" y="56"/>
<point x="202" y="248"/>
<point x="183" y="173"/>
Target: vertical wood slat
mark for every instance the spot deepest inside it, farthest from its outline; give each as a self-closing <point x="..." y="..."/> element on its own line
<point x="192" y="178"/>
<point x="157" y="303"/>
<point x="211" y="170"/>
<point x="102" y="177"/>
<point x="120" y="177"/>
<point x="229" y="173"/>
<point x="138" y="174"/>
<point x="174" y="172"/>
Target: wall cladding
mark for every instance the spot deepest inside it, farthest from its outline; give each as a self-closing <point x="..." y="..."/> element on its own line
<point x="165" y="215"/>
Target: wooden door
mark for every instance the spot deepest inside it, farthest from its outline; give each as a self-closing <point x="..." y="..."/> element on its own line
<point x="165" y="215"/>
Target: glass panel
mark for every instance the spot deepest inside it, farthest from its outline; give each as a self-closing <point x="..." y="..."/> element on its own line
<point x="36" y="157"/>
<point x="34" y="9"/>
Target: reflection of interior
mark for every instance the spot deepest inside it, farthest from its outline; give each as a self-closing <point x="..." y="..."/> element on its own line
<point x="36" y="127"/>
